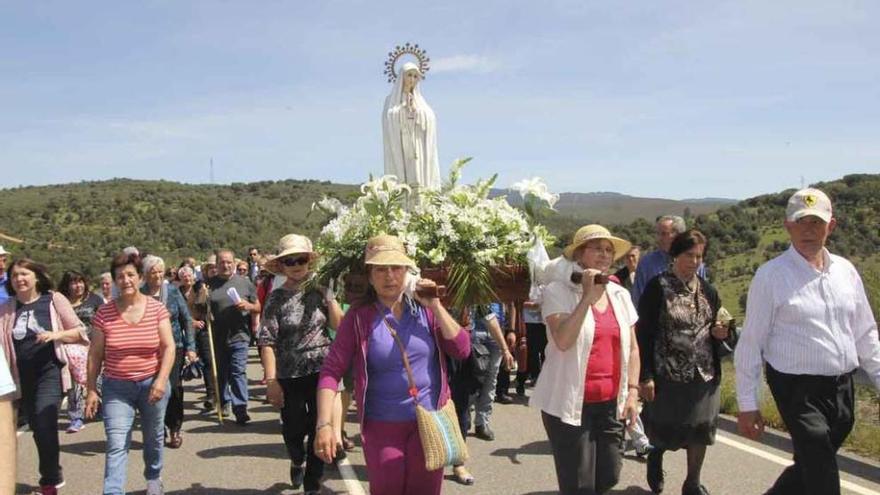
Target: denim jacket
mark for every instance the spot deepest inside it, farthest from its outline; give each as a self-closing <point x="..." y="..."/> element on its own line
<point x="181" y="321"/>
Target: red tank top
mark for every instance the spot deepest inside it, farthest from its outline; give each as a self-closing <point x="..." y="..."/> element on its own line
<point x="603" y="366"/>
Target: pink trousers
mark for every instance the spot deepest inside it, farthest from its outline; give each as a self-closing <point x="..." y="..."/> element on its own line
<point x="395" y="460"/>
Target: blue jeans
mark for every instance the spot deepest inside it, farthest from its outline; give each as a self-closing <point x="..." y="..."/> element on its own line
<point x="122" y="398"/>
<point x="232" y="373"/>
<point x="486" y="394"/>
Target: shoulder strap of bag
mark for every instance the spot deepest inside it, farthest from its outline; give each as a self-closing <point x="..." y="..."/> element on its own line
<point x="413" y="391"/>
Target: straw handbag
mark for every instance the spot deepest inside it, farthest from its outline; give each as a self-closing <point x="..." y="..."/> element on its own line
<point x="441" y="437"/>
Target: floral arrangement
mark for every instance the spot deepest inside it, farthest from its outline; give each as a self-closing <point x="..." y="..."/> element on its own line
<point x="458" y="227"/>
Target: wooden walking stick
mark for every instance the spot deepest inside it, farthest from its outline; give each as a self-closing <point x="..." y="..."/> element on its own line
<point x="218" y="399"/>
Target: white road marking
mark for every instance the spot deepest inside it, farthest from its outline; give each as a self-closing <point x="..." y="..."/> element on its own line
<point x="786" y="462"/>
<point x="352" y="484"/>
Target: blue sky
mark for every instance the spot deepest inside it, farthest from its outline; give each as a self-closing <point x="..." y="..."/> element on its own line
<point x="665" y="99"/>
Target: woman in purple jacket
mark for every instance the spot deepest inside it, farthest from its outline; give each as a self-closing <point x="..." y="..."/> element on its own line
<point x="392" y="448"/>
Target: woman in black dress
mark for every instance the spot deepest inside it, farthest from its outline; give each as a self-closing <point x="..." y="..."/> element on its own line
<point x="75" y="287"/>
<point x="681" y="370"/>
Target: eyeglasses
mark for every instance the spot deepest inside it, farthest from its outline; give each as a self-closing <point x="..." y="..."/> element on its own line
<point x="600" y="250"/>
<point x="302" y="260"/>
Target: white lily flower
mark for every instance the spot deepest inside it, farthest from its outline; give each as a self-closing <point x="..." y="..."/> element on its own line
<point x="537" y="188"/>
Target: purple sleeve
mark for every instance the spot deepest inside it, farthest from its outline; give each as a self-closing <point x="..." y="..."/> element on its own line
<point x="457" y="348"/>
<point x="342" y="353"/>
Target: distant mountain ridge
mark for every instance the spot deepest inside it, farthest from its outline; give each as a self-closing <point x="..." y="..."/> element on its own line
<point x="608" y="207"/>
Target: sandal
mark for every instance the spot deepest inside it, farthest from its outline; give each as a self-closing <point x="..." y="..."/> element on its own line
<point x="176" y="440"/>
<point x="462" y="475"/>
<point x="347" y="443"/>
<point x="340" y="454"/>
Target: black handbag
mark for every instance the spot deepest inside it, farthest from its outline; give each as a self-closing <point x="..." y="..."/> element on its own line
<point x="480" y="359"/>
<point x="192" y="371"/>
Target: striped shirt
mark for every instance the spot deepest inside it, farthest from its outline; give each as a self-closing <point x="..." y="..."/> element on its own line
<point x="803" y="321"/>
<point x="131" y="351"/>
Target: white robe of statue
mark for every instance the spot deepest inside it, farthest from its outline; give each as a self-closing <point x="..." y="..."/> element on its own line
<point x="409" y="133"/>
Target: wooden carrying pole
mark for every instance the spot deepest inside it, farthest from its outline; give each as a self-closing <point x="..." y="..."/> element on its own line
<point x="218" y="399"/>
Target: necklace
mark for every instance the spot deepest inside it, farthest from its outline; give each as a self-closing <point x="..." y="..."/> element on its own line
<point x="691" y="291"/>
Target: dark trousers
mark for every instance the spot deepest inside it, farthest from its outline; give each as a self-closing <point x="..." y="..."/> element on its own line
<point x="536" y="342"/>
<point x="818" y="412"/>
<point x="588" y="457"/>
<point x="502" y="382"/>
<point x="462" y="386"/>
<point x="298" y="417"/>
<point x="461" y="392"/>
<point x="174" y="410"/>
<point x="40" y="400"/>
<point x="203" y="346"/>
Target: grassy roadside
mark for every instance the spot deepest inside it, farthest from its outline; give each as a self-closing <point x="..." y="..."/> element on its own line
<point x="864" y="439"/>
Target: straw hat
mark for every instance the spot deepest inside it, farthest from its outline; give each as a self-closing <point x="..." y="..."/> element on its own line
<point x="594" y="231"/>
<point x="387" y="250"/>
<point x="289" y="245"/>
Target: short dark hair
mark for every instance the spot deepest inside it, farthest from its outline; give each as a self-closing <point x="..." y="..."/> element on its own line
<point x="44" y="283"/>
<point x="123" y="259"/>
<point x="220" y="251"/>
<point x="687" y="240"/>
<point x="69" y="277"/>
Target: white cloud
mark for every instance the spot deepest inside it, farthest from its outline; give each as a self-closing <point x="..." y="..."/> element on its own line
<point x="465" y="63"/>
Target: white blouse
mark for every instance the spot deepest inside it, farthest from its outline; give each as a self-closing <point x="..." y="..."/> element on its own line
<point x="560" y="388"/>
<point x="7" y="385"/>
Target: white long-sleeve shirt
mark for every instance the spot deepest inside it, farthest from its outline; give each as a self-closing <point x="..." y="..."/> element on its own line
<point x="804" y="321"/>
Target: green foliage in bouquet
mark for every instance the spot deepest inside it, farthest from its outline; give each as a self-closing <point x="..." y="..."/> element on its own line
<point x="457" y="227"/>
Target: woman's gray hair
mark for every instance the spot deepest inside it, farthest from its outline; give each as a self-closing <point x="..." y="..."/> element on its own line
<point x="150" y="261"/>
<point x="106" y="275"/>
<point x="185" y="269"/>
<point x="677" y="222"/>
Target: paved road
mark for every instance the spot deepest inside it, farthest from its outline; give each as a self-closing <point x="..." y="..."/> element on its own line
<point x="233" y="460"/>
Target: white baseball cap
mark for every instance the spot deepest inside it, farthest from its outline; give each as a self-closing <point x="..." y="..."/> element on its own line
<point x="3" y="252"/>
<point x="809" y="201"/>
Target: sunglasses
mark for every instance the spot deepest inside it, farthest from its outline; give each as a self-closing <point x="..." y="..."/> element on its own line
<point x="301" y="260"/>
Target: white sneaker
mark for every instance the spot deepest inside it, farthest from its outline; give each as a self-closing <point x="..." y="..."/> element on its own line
<point x="154" y="487"/>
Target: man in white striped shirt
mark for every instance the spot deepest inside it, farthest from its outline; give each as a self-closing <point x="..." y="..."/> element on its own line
<point x="809" y="324"/>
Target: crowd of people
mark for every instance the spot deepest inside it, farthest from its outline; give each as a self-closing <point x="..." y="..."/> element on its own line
<point x="635" y="351"/>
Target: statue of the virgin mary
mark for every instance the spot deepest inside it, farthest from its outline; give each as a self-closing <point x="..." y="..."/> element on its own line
<point x="409" y="131"/>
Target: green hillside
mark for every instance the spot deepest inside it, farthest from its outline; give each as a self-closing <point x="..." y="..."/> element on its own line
<point x="749" y="233"/>
<point x="79" y="226"/>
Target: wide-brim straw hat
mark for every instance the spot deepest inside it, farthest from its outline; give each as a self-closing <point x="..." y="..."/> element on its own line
<point x="594" y="231"/>
<point x="289" y="245"/>
<point x="387" y="250"/>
